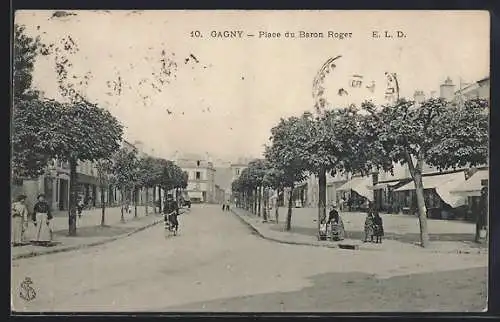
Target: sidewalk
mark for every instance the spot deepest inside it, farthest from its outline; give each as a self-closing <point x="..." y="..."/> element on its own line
<point x="93" y="217"/>
<point x="399" y="234"/>
<point x="90" y="233"/>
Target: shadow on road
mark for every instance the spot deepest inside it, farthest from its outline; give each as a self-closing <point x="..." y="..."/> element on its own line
<point x="458" y="291"/>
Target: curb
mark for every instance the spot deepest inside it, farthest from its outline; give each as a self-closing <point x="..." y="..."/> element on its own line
<point x="76" y="247"/>
<point x="254" y="229"/>
<point x="281" y="241"/>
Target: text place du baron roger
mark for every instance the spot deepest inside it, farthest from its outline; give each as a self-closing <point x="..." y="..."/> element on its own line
<point x="264" y="34"/>
<point x="299" y="34"/>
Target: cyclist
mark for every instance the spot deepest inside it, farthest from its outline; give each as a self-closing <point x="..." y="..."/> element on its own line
<point x="171" y="211"/>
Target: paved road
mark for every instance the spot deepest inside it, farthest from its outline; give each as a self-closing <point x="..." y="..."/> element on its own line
<point x="217" y="264"/>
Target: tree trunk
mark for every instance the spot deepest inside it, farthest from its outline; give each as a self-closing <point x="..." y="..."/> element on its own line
<point x="135" y="193"/>
<point x="289" y="215"/>
<point x="264" y="209"/>
<point x="422" y="213"/>
<point x="122" y="194"/>
<point x="72" y="198"/>
<point x="259" y="201"/>
<point x="276" y="206"/>
<point x="416" y="174"/>
<point x="154" y="199"/>
<point x="103" y="207"/>
<point x="322" y="198"/>
<point x="159" y="200"/>
<point x="147" y="200"/>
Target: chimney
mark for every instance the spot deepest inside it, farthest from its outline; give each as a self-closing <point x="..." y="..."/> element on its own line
<point x="447" y="89"/>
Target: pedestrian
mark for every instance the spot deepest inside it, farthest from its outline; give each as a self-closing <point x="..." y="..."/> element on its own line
<point x="337" y="231"/>
<point x="41" y="219"/>
<point x="171" y="211"/>
<point x="276" y="211"/>
<point x="482" y="215"/>
<point x="369" y="226"/>
<point x="223" y="206"/>
<point x="227" y="206"/>
<point x="80" y="207"/>
<point x="378" y="227"/>
<point x="19" y="220"/>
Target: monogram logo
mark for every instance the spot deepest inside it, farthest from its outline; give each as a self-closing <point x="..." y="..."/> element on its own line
<point x="27" y="292"/>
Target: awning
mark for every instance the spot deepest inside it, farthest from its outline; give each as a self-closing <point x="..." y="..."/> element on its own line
<point x="362" y="186"/>
<point x="444" y="184"/>
<point x="383" y="185"/>
<point x="472" y="187"/>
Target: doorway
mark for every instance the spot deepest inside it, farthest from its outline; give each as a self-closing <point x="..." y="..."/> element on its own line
<point x="63" y="194"/>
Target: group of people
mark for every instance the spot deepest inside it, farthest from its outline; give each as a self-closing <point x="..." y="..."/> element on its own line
<point x="225" y="206"/>
<point x="41" y="231"/>
<point x="373" y="227"/>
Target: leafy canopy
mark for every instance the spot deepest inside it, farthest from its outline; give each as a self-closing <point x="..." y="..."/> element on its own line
<point x="434" y="132"/>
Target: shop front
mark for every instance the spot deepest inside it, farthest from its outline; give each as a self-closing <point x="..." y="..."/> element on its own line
<point x="357" y="193"/>
<point x="440" y="202"/>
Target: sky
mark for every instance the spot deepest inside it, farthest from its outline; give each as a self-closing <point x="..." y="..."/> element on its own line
<point x="226" y="102"/>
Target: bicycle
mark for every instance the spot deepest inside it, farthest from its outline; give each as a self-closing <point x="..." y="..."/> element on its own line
<point x="170" y="226"/>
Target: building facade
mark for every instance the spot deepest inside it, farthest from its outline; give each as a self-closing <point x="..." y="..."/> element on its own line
<point x="201" y="177"/>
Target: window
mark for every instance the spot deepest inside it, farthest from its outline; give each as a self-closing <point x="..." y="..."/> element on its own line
<point x="198" y="175"/>
<point x="237" y="172"/>
<point x="198" y="163"/>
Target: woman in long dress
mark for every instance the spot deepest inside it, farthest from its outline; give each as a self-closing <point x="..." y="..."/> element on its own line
<point x="378" y="227"/>
<point x="19" y="220"/>
<point x="369" y="227"/>
<point x="41" y="220"/>
<point x="337" y="225"/>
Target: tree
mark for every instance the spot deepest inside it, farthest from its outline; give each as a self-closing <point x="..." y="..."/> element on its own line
<point x="434" y="132"/>
<point x="331" y="143"/>
<point x="125" y="173"/>
<point x="104" y="167"/>
<point x="150" y="173"/>
<point x="85" y="132"/>
<point x="246" y="184"/>
<point x="75" y="132"/>
<point x="286" y="153"/>
<point x="26" y="49"/>
<point x="274" y="179"/>
<point x="257" y="171"/>
<point x="31" y="117"/>
<point x="32" y="140"/>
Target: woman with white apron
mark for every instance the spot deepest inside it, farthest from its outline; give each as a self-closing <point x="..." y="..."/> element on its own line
<point x="19" y="220"/>
<point x="41" y="220"/>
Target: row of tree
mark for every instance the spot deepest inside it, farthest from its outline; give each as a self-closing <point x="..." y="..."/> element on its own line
<point x="74" y="131"/>
<point x="131" y="174"/>
<point x="369" y="138"/>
